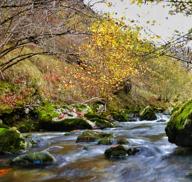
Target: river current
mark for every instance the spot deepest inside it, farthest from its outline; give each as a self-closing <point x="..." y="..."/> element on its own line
<point x="157" y="161"/>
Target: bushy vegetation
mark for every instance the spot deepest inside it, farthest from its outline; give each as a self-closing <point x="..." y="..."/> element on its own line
<point x="98" y="64"/>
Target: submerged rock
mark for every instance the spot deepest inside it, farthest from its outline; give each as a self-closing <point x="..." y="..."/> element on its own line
<point x="106" y="141"/>
<point x="179" y="127"/>
<point x="120" y="152"/>
<point x="92" y="136"/>
<point x="147" y="114"/>
<point x="33" y="159"/>
<point x="11" y="140"/>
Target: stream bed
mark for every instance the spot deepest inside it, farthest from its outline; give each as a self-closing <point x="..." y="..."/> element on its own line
<point x="157" y="161"/>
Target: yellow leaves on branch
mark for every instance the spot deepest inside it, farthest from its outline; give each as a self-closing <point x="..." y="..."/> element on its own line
<point x="113" y="52"/>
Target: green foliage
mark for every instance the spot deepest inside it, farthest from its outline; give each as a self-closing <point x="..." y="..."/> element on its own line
<point x="121" y="115"/>
<point x="83" y="108"/>
<point x="47" y="112"/>
<point x="6" y="87"/>
<point x="114" y="53"/>
<point x="107" y="57"/>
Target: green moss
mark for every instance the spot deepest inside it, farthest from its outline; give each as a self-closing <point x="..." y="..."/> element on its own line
<point x="47" y="112"/>
<point x="88" y="136"/>
<point x="120" y="152"/>
<point x="92" y="136"/>
<point x="2" y="131"/>
<point x="33" y="159"/>
<point x="27" y="125"/>
<point x="105" y="141"/>
<point x="147" y="113"/>
<point x="6" y="87"/>
<point x="120" y="116"/>
<point x="176" y="108"/>
<point x="5" y="109"/>
<point x="83" y="108"/>
<point x="92" y="116"/>
<point x="100" y="121"/>
<point x="178" y="128"/>
<point x="181" y="115"/>
<point x="3" y="125"/>
<point x="11" y="140"/>
<point x="117" y="152"/>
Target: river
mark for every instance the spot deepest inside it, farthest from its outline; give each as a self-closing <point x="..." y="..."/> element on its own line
<point x="157" y="161"/>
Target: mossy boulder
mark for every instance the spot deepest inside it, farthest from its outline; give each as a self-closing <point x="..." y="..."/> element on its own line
<point x="100" y="121"/>
<point x="66" y="125"/>
<point x="33" y="159"/>
<point x="92" y="136"/>
<point x="120" y="116"/>
<point x="106" y="141"/>
<point x="66" y="118"/>
<point x="120" y="152"/>
<point x="179" y="127"/>
<point x="27" y="125"/>
<point x="11" y="141"/>
<point x="148" y="113"/>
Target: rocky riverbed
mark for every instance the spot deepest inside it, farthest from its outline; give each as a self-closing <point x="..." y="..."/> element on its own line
<point x="156" y="160"/>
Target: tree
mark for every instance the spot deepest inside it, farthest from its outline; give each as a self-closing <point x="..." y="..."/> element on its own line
<point x="37" y="23"/>
<point x="176" y="48"/>
<point x="178" y="6"/>
<point x="112" y="54"/>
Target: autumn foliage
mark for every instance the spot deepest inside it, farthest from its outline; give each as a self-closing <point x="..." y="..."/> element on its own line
<point x="113" y="53"/>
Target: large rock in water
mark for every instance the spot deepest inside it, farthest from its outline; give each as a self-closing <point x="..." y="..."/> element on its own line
<point x="11" y="140"/>
<point x="147" y="114"/>
<point x="33" y="159"/>
<point x="179" y="128"/>
<point x="92" y="136"/>
<point x="120" y="152"/>
<point x="66" y="124"/>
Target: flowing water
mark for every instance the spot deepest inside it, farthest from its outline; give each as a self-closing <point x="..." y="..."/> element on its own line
<point x="157" y="161"/>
